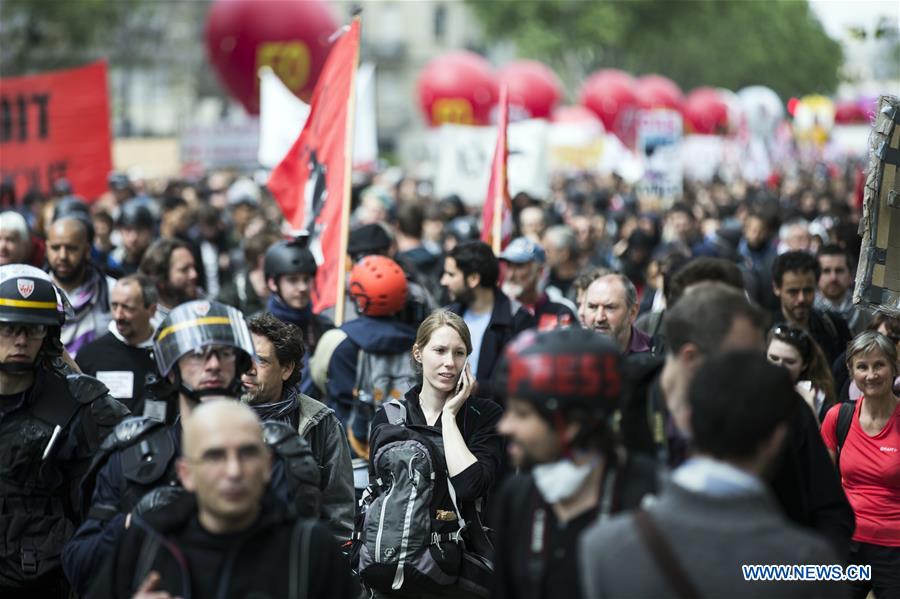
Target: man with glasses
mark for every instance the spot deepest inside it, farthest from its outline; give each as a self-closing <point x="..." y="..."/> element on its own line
<point x="51" y="423"/>
<point x="201" y="349"/>
<point x="229" y="532"/>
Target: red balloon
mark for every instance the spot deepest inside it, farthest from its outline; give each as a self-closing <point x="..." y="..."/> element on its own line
<point x="533" y="87"/>
<point x="656" y="91"/>
<point x="611" y="95"/>
<point x="459" y="88"/>
<point x="705" y="112"/>
<point x="848" y="112"/>
<point x="290" y="36"/>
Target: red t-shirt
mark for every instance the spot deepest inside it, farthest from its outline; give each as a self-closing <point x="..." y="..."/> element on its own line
<point x="870" y="473"/>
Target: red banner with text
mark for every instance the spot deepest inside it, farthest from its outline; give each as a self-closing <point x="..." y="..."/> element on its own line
<point x="56" y="126"/>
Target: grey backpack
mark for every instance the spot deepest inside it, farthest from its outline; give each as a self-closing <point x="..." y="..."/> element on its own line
<point x="410" y="529"/>
<point x="379" y="378"/>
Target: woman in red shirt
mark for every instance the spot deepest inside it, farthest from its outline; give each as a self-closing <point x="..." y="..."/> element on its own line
<point x="870" y="462"/>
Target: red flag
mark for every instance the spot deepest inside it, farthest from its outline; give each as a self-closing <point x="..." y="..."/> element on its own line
<point x="312" y="183"/>
<point x="56" y="126"/>
<point x="496" y="218"/>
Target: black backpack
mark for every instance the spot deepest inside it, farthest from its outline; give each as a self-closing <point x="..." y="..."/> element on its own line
<point x="411" y="534"/>
<point x="844" y="419"/>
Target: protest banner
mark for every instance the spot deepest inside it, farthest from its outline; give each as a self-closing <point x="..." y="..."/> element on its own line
<point x="56" y="126"/>
<point x="658" y="140"/>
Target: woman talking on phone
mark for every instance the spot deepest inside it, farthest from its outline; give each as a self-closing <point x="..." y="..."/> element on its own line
<point x="459" y="434"/>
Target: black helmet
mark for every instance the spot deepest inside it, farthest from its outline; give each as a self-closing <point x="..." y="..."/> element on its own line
<point x="28" y="296"/>
<point x="562" y="370"/>
<point x="288" y="258"/>
<point x="197" y="324"/>
<point x="136" y="214"/>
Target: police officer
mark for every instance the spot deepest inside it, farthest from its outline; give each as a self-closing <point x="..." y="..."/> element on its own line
<point x="561" y="388"/>
<point x="201" y="349"/>
<point x="290" y="270"/>
<point x="51" y="424"/>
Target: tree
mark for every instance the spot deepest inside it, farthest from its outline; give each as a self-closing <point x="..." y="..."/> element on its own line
<point x="730" y="43"/>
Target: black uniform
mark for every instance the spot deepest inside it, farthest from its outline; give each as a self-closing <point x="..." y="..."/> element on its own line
<point x="40" y="470"/>
<point x="110" y="356"/>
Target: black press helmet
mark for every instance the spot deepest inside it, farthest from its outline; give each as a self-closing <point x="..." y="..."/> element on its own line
<point x="194" y="325"/>
<point x="562" y="370"/>
<point x="288" y="258"/>
<point x="28" y="296"/>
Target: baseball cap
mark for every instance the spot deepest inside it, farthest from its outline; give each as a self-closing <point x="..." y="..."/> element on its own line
<point x="522" y="250"/>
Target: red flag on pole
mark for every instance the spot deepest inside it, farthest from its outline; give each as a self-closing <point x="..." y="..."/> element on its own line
<point x="312" y="183"/>
<point x="496" y="219"/>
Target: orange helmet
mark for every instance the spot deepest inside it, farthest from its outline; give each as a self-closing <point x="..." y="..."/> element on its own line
<point x="378" y="286"/>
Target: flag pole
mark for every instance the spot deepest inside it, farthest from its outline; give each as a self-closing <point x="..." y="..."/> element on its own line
<point x="348" y="174"/>
<point x="500" y="188"/>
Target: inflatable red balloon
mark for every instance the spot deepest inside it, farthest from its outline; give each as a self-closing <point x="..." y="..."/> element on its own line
<point x="611" y="95"/>
<point x="457" y="88"/>
<point x="290" y="36"/>
<point x="849" y="112"/>
<point x="705" y="112"/>
<point x="656" y="91"/>
<point x="533" y="87"/>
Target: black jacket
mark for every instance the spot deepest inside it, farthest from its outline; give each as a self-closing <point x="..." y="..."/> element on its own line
<point x="805" y="481"/>
<point x="110" y="354"/>
<point x="508" y="319"/>
<point x="259" y="563"/>
<point x="477" y="421"/>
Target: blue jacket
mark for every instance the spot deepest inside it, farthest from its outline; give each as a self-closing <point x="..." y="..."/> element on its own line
<point x="376" y="335"/>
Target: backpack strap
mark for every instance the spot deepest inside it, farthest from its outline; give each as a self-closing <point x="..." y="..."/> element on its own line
<point x="844" y="419"/>
<point x="321" y="358"/>
<point x="395" y="410"/>
<point x="664" y="557"/>
<point x="299" y="562"/>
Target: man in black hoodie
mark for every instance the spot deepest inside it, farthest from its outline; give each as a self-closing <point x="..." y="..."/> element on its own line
<point x="225" y="538"/>
<point x="709" y="319"/>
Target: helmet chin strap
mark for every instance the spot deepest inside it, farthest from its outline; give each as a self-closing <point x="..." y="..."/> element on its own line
<point x="195" y="396"/>
<point x="17" y="367"/>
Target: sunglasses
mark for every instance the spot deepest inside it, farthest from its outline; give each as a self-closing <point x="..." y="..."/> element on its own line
<point x="32" y="331"/>
<point x="790" y="334"/>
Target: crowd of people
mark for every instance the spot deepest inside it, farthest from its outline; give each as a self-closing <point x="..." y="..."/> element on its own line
<point x="627" y="401"/>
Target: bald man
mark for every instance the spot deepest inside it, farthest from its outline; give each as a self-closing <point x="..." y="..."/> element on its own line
<point x="69" y="262"/>
<point x="228" y="537"/>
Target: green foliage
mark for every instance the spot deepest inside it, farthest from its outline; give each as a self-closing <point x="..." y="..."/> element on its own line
<point x="726" y="43"/>
<point x="37" y="35"/>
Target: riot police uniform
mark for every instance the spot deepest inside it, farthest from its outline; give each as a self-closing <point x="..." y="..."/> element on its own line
<point x="49" y="434"/>
<point x="135" y="468"/>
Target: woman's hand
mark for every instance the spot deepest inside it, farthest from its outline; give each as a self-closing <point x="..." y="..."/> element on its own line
<point x="453" y="405"/>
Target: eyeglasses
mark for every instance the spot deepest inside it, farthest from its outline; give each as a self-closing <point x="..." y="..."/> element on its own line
<point x="793" y="335"/>
<point x="32" y="331"/>
<point x="202" y="354"/>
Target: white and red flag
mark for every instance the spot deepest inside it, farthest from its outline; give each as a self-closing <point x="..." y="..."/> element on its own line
<point x="312" y="182"/>
<point x="496" y="218"/>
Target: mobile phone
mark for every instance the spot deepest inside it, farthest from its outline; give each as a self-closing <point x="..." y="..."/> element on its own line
<point x="459" y="382"/>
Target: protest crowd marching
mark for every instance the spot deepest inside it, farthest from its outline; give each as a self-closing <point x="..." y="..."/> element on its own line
<point x="210" y="388"/>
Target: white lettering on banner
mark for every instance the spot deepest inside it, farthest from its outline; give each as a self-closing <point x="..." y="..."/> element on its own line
<point x="464" y="154"/>
<point x="119" y="382"/>
<point x="659" y="142"/>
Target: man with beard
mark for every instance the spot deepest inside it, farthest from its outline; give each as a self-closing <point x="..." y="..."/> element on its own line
<point x="135" y="224"/>
<point x="719" y="512"/>
<point x="835" y="291"/>
<point x="561" y="390"/>
<point x="470" y="277"/>
<point x="525" y="281"/>
<point x="68" y="259"/>
<point x="610" y="307"/>
<point x="271" y="387"/>
<point x="121" y="358"/>
<point x="170" y="263"/>
<point x="794" y="280"/>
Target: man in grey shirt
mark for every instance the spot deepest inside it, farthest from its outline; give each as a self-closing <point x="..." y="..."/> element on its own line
<point x="717" y="513"/>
